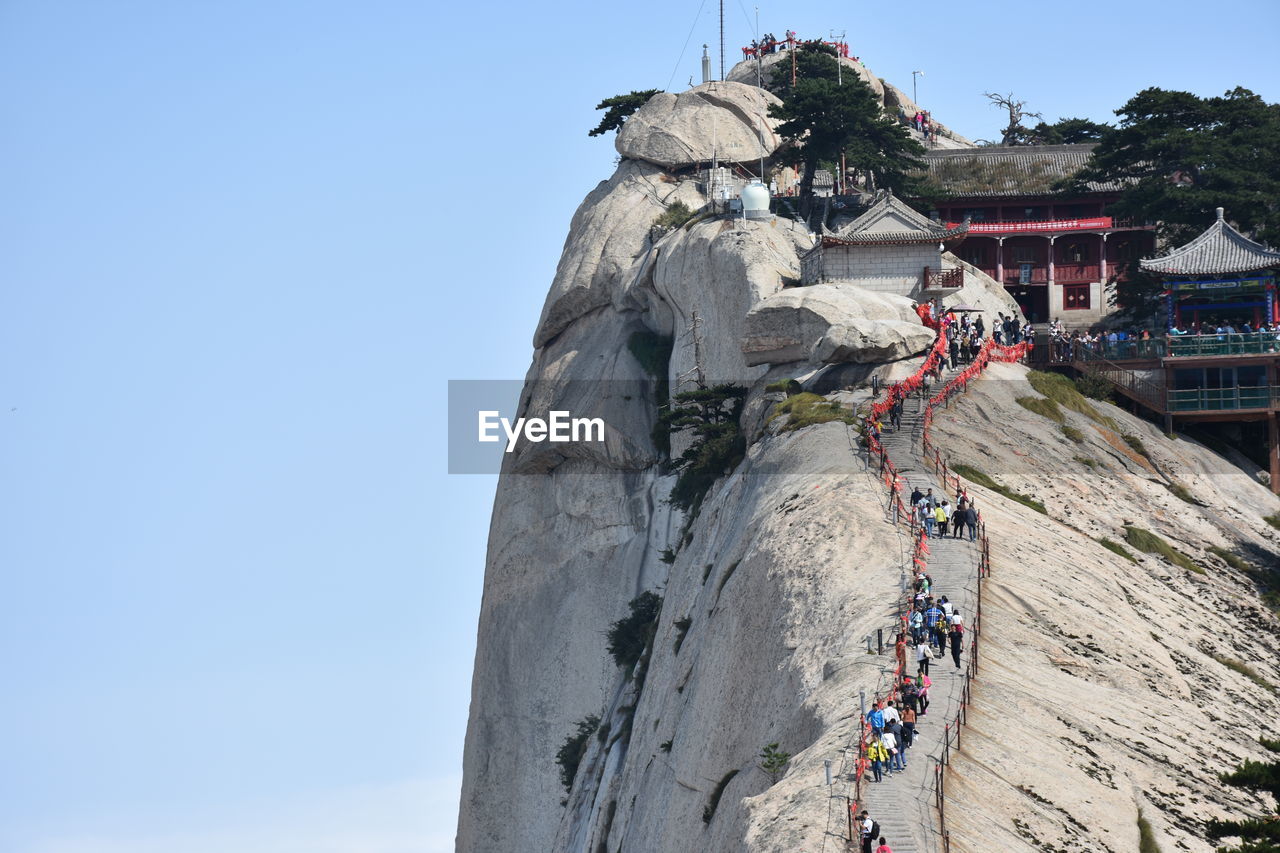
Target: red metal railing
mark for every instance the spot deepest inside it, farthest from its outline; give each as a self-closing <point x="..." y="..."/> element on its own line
<point x="898" y="511"/>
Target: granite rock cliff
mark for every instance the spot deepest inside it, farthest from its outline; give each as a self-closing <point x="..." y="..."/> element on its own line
<point x="1108" y="672"/>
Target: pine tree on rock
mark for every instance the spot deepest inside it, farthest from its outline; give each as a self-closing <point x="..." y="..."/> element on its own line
<point x="824" y="114"/>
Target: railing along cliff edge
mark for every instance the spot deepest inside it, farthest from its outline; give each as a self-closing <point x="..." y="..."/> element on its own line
<point x="899" y="514"/>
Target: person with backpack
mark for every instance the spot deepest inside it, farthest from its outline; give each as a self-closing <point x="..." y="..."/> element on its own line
<point x="923" y="655"/>
<point x="890" y="744"/>
<point x="940" y="629"/>
<point x="924" y="684"/>
<point x="869" y="830"/>
<point x="893" y="742"/>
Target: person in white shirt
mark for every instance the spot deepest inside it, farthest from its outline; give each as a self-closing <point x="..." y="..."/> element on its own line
<point x="890" y="714"/>
<point x="895" y="756"/>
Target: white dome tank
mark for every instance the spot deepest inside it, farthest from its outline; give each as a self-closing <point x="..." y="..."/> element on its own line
<point x="755" y="200"/>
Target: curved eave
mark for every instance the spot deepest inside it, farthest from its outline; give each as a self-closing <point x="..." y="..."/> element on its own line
<point x="898" y="239"/>
<point x="1192" y="273"/>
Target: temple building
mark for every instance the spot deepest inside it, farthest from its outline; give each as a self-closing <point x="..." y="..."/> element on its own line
<point x="1220" y="277"/>
<point x="890" y="248"/>
<point x="1056" y="253"/>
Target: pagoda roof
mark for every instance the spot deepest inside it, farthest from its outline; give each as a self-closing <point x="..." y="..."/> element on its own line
<point x="1220" y="250"/>
<point x="1010" y="170"/>
<point x="891" y="221"/>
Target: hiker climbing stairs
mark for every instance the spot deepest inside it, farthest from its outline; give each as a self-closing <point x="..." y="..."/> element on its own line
<point x="909" y="804"/>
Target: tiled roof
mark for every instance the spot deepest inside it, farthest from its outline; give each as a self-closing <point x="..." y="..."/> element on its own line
<point x="1220" y="250"/>
<point x="891" y="221"/>
<point x="1012" y="170"/>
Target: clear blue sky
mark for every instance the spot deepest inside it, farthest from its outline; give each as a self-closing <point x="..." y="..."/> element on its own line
<point x="243" y="245"/>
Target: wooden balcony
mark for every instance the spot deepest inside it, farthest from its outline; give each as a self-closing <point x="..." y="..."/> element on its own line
<point x="1076" y="273"/>
<point x="943" y="278"/>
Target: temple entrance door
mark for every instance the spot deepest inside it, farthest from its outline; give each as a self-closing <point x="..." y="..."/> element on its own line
<point x="1034" y="302"/>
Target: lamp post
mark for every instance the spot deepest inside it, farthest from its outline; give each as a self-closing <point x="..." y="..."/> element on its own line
<point x="840" y="187"/>
<point x="915" y="74"/>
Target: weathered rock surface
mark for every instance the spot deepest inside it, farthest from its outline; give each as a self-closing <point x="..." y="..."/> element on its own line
<point x="832" y="323"/>
<point x="1110" y="673"/>
<point x="725" y="119"/>
<point x="745" y="71"/>
<point x="609" y="231"/>
<point x="708" y="278"/>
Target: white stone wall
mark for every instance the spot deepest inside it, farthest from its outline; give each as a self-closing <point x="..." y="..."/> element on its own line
<point x="885" y="269"/>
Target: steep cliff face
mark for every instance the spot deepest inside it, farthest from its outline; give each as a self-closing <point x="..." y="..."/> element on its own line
<point x="1105" y="665"/>
<point x="579" y="530"/>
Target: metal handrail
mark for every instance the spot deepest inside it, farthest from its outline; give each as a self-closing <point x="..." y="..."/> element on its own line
<point x="1253" y="343"/>
<point x="1152" y="395"/>
<point x="1224" y="399"/>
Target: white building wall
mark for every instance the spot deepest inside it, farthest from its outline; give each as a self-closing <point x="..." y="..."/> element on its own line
<point x="887" y="269"/>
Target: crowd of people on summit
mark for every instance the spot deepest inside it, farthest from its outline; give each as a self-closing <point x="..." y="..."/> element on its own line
<point x="1122" y="343"/>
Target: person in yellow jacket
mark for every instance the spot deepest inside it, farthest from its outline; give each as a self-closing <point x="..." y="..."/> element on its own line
<point x="940" y="517"/>
<point x="878" y="756"/>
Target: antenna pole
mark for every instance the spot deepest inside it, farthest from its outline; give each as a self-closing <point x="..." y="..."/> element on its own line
<point x="721" y="39"/>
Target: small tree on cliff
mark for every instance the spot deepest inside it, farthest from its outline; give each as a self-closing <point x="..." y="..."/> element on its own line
<point x="1260" y="835"/>
<point x="711" y="415"/>
<point x="618" y="109"/>
<point x="824" y="114"/>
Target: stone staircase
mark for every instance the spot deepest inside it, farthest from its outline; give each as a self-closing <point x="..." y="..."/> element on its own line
<point x="904" y="803"/>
